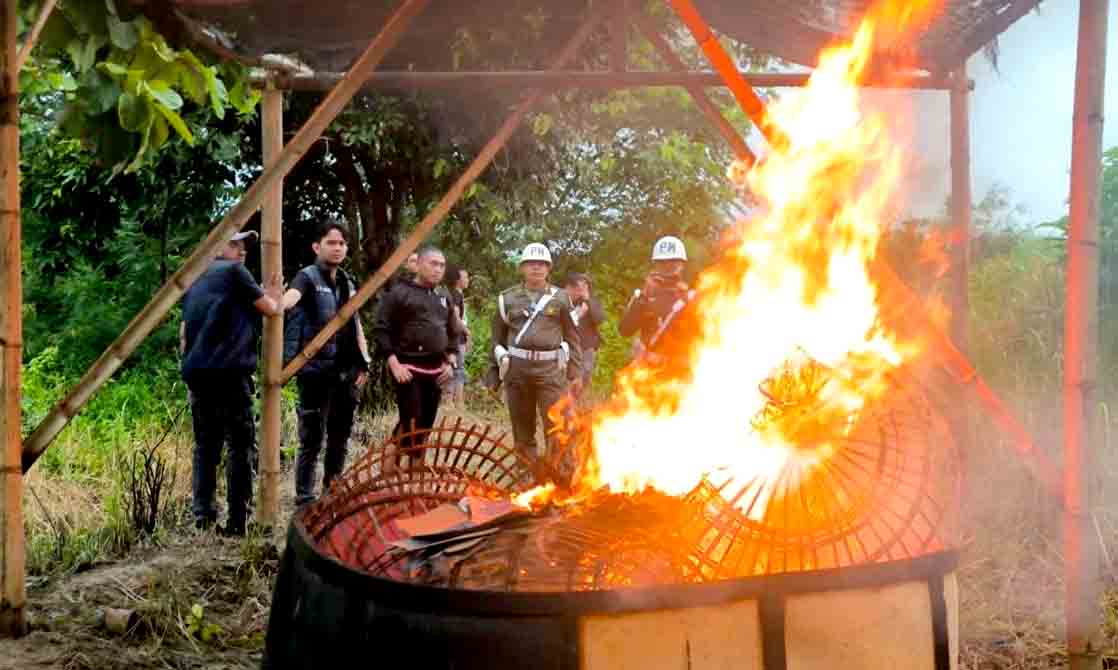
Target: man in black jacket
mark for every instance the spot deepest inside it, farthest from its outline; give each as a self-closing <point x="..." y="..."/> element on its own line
<point x="219" y="333"/>
<point x="329" y="385"/>
<point x="415" y="329"/>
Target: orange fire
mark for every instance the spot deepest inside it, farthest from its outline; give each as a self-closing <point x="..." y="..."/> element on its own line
<point x="787" y="346"/>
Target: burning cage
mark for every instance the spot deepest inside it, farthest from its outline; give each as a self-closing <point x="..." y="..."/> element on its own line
<point x="850" y="564"/>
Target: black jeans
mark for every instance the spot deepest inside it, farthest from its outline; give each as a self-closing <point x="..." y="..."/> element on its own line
<point x="221" y="409"/>
<point x="418" y="402"/>
<point x="326" y="407"/>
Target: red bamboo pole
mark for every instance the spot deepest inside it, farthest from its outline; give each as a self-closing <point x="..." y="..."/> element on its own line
<point x="13" y="596"/>
<point x="721" y="61"/>
<point x="1081" y="583"/>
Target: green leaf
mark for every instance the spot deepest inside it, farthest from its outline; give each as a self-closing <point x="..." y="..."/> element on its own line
<point x="83" y="52"/>
<point x="196" y="611"/>
<point x="134" y="112"/>
<point x="160" y="132"/>
<point x="440" y="168"/>
<point x="113" y="69"/>
<point x="177" y="123"/>
<point x="57" y="34"/>
<point x="123" y="34"/>
<point x="162" y="92"/>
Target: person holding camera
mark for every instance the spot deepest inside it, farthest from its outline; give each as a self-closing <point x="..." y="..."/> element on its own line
<point x="655" y="306"/>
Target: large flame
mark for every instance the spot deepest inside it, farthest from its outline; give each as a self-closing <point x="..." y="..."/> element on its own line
<point x="787" y="346"/>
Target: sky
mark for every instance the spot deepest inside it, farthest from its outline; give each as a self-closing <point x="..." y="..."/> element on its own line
<point x="1021" y="116"/>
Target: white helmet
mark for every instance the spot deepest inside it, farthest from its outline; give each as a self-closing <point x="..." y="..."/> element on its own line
<point x="536" y="252"/>
<point x="669" y="249"/>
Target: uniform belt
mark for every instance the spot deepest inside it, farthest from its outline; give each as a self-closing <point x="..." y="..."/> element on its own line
<point x="531" y="355"/>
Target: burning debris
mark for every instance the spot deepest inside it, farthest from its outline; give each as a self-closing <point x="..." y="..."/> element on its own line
<point x="792" y="430"/>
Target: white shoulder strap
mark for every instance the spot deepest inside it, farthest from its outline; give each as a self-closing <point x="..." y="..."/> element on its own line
<point x="540" y="304"/>
<point x="501" y="309"/>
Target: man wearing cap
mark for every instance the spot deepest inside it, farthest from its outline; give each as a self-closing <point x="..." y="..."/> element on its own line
<point x="537" y="353"/>
<point x="330" y="383"/>
<point x="589" y="316"/>
<point x="654" y="307"/>
<point x="219" y="333"/>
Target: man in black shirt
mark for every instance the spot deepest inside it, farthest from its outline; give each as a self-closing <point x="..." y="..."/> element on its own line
<point x="588" y="315"/>
<point x="220" y="329"/>
<point x="329" y="385"/>
<point x="415" y="329"/>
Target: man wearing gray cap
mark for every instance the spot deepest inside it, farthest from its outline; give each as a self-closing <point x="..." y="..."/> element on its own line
<point x="219" y="335"/>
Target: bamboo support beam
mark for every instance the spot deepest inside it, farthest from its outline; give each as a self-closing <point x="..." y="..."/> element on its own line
<point x="736" y="141"/>
<point x="439" y="212"/>
<point x="619" y="37"/>
<point x="152" y="314"/>
<point x="33" y="36"/>
<point x="13" y="596"/>
<point x="565" y="79"/>
<point x="1081" y="569"/>
<point x="271" y="242"/>
<point x="961" y="199"/>
<point x="725" y="66"/>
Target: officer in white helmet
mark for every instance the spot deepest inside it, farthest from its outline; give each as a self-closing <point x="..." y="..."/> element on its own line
<point x="536" y="354"/>
<point x="654" y="306"/>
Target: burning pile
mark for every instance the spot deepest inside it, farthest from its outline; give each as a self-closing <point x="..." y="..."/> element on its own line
<point x="787" y="346"/>
<point x="794" y="430"/>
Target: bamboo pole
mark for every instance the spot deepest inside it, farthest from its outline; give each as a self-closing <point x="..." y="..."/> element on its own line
<point x="961" y="199"/>
<point x="736" y="141"/>
<point x="439" y="212"/>
<point x="152" y="313"/>
<point x="619" y="37"/>
<point x="1081" y="579"/>
<point x="725" y="66"/>
<point x="564" y="79"/>
<point x="13" y="597"/>
<point x="33" y="36"/>
<point x="271" y="241"/>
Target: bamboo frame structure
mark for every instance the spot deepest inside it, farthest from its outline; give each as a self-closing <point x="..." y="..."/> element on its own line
<point x="439" y="212"/>
<point x="271" y="241"/>
<point x="156" y="309"/>
<point x="1082" y="586"/>
<point x="13" y="596"/>
<point x="1080" y="325"/>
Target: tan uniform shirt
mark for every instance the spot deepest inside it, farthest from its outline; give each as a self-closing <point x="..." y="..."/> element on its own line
<point x="551" y="327"/>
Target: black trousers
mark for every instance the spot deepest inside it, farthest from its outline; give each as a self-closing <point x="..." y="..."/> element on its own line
<point x="418" y="402"/>
<point x="221" y="410"/>
<point x="326" y="406"/>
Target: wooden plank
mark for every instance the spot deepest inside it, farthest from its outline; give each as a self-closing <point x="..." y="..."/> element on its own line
<point x="153" y="313"/>
<point x="439" y="212"/>
<point x="13" y="596"/>
<point x="271" y="241"/>
<point x="723" y="637"/>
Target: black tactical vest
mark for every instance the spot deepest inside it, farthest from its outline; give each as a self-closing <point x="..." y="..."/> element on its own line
<point x="309" y="316"/>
